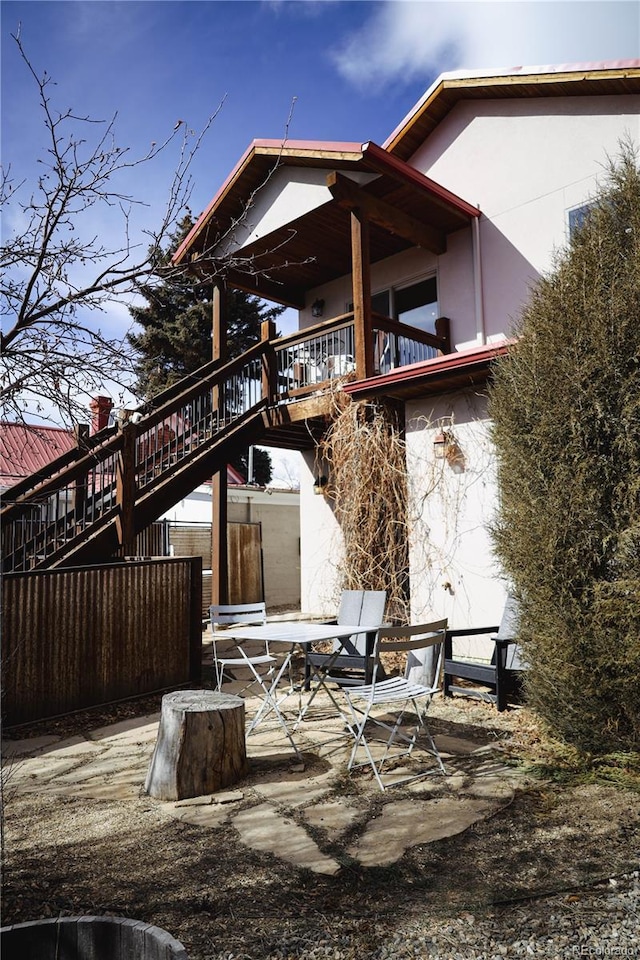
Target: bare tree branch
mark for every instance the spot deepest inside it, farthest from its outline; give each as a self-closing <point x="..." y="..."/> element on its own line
<point x="55" y="271"/>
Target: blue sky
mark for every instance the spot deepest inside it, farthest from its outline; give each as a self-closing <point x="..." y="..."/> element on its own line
<point x="355" y="68"/>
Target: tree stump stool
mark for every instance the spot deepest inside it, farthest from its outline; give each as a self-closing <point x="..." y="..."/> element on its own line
<point x="201" y="745"/>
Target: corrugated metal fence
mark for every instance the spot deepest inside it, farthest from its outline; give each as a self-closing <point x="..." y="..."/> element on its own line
<point x="80" y="637"/>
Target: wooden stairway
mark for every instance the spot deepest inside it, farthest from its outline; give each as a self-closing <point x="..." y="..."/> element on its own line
<point x="100" y="495"/>
<point x="96" y="498"/>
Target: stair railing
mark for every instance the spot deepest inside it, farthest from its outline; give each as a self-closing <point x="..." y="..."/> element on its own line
<point x="102" y="484"/>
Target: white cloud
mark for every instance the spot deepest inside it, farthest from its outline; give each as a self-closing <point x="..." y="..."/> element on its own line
<point x="405" y="40"/>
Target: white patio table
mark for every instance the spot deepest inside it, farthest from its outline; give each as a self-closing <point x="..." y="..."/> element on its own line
<point x="299" y="633"/>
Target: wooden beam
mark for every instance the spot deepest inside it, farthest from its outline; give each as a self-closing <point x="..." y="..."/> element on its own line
<point x="269" y="365"/>
<point x="361" y="278"/>
<point x="261" y="286"/>
<point x="126" y="488"/>
<point x="219" y="337"/>
<point x="219" y="565"/>
<point x="219" y="561"/>
<point x="350" y="195"/>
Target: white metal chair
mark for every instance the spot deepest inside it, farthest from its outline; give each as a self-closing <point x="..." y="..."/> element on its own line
<point x="351" y="661"/>
<point x="263" y="668"/>
<point x="423" y="645"/>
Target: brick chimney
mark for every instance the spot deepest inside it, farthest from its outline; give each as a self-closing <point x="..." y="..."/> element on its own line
<point x="100" y="409"/>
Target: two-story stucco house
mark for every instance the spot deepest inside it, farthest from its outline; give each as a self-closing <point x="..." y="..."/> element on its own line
<point x="455" y="216"/>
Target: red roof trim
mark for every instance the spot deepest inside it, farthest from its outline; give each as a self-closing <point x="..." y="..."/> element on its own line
<point x="382" y="158"/>
<point x="254" y="147"/>
<point x="451" y="362"/>
<point x="379" y="158"/>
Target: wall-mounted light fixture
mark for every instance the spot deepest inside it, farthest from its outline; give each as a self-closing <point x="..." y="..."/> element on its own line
<point x="317" y="308"/>
<point x="320" y="484"/>
<point x="440" y="443"/>
<point x="446" y="447"/>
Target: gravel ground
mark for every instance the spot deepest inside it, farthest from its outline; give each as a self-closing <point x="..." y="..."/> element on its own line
<point x="603" y="922"/>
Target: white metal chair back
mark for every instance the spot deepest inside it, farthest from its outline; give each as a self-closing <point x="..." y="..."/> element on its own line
<point x="225" y="615"/>
<point x="416" y="688"/>
<point x="263" y="668"/>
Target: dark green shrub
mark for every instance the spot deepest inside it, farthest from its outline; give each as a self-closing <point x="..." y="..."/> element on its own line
<point x="566" y="409"/>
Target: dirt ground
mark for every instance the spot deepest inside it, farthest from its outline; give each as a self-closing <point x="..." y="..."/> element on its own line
<point x="558" y="837"/>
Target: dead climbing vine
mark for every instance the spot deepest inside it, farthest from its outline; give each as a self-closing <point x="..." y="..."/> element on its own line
<point x="364" y="454"/>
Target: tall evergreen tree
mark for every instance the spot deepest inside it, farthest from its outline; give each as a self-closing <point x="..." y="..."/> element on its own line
<point x="566" y="408"/>
<point x="175" y="335"/>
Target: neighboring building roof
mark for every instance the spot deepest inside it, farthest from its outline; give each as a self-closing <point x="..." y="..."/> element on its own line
<point x="447" y="372"/>
<point x="26" y="450"/>
<point x="602" y="78"/>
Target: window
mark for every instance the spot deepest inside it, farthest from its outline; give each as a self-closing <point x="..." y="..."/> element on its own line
<point x="577" y="217"/>
<point x="417" y="305"/>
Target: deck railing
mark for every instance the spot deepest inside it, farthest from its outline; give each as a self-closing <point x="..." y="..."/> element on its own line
<point x="104" y="477"/>
<point x="40" y="520"/>
<point x="310" y="358"/>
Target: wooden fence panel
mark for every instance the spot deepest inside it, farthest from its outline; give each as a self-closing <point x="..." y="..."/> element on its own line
<point x="79" y="637"/>
<point x="244" y="550"/>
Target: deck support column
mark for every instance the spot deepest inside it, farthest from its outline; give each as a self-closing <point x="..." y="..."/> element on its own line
<point x="361" y="277"/>
<point x="126" y="489"/>
<point x="269" y="371"/>
<point x="219" y="562"/>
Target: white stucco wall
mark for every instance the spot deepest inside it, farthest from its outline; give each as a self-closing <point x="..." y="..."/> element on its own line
<point x="321" y="545"/>
<point x="290" y="192"/>
<point x="526" y="163"/>
<point x="451" y="505"/>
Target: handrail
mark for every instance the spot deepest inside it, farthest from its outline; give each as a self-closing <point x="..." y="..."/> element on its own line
<point x="125" y="466"/>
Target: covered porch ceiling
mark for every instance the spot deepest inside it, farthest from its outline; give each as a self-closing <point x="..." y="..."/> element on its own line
<point x="404" y="209"/>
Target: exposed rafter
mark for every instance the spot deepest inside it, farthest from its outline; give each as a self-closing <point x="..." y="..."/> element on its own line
<point x="350" y="195"/>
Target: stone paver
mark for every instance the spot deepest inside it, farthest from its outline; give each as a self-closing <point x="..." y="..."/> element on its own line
<point x="31" y="774"/>
<point x="296" y="790"/>
<point x="334" y="817"/>
<point x="136" y="730"/>
<point x="110" y="763"/>
<point x="398" y="828"/>
<point x="262" y="828"/>
<point x="18" y="748"/>
<point x="210" y="816"/>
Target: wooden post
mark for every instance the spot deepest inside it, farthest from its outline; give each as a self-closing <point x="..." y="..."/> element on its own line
<point x="219" y="562"/>
<point x="269" y="370"/>
<point x="81" y="432"/>
<point x="126" y="488"/>
<point x="201" y="745"/>
<point x="361" y="277"/>
<point x="443" y="331"/>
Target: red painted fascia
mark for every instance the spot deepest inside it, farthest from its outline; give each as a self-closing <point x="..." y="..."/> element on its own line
<point x="383" y="160"/>
<point x="449" y="363"/>
<point x="254" y="147"/>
